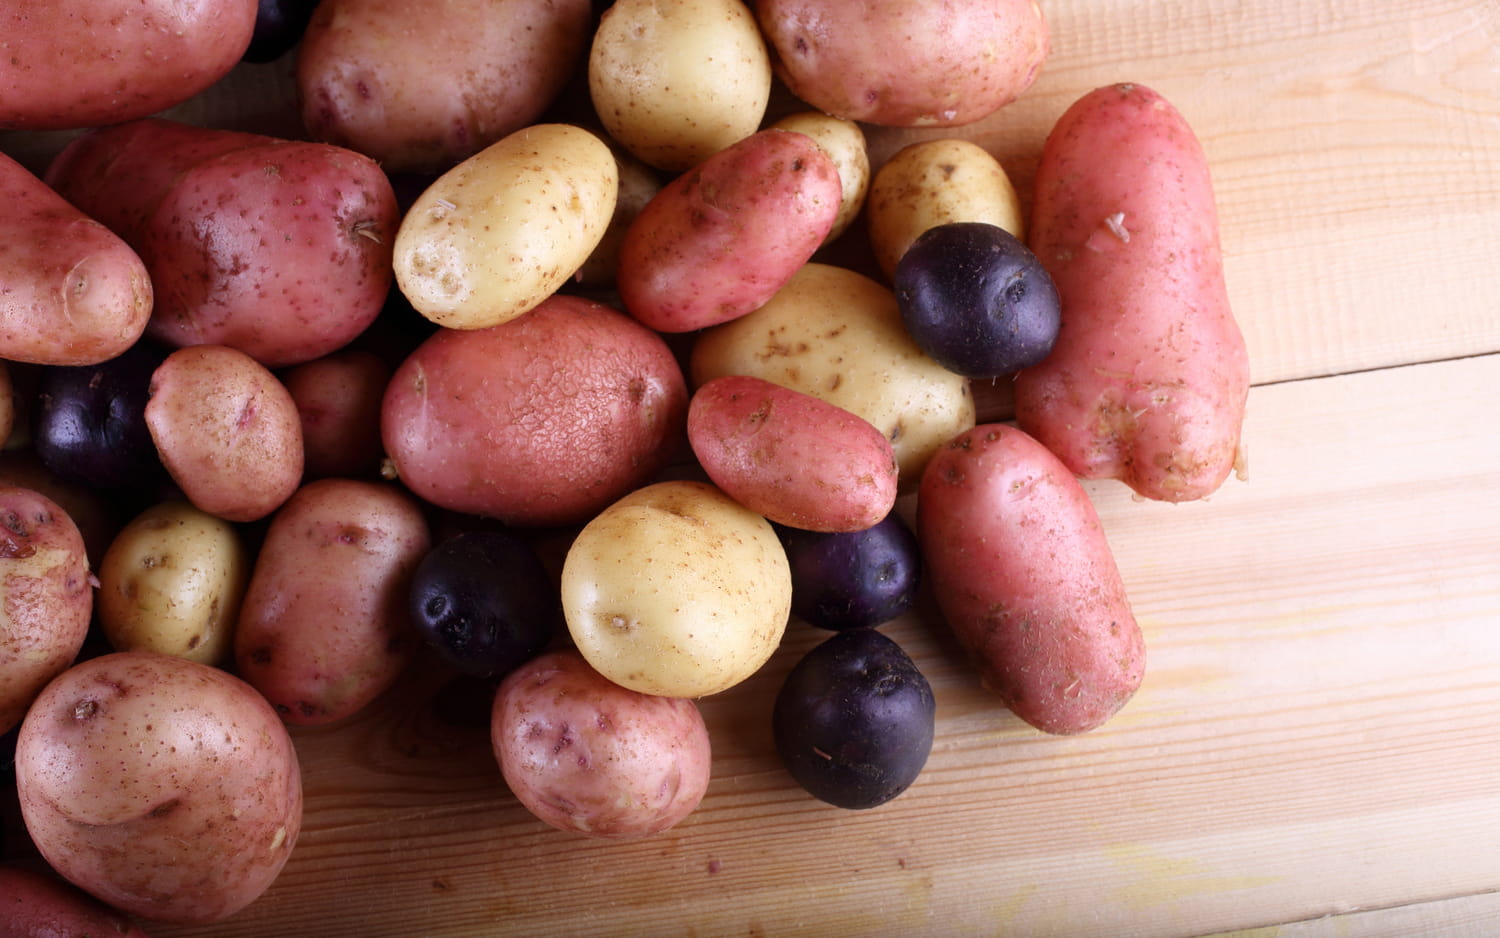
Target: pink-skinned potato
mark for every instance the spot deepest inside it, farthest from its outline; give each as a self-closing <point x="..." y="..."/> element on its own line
<point x="795" y="459"/>
<point x="1025" y="578"/>
<point x="72" y="292"/>
<point x="39" y="905"/>
<point x="338" y="399"/>
<point x="323" y="627"/>
<point x="166" y="788"/>
<point x="1148" y="380"/>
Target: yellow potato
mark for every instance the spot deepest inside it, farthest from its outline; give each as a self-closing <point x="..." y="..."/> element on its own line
<point x="844" y="143"/>
<point x="838" y="335"/>
<point x="677" y="590"/>
<point x="932" y="183"/>
<point x="171" y="582"/>
<point x="503" y="230"/>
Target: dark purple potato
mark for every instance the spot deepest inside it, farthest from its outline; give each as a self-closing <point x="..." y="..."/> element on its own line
<point x="89" y="423"/>
<point x="853" y="580"/>
<point x="485" y="602"/>
<point x="976" y="300"/>
<point x="854" y="721"/>
<point x="279" y="25"/>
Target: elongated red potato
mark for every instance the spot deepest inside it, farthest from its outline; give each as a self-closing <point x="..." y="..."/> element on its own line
<point x="1149" y="377"/>
<point x="1025" y="578"/>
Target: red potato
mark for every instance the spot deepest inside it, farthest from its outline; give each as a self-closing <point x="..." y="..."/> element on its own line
<point x="791" y="457"/>
<point x="82" y="63"/>
<point x="721" y="239"/>
<point x="226" y="430"/>
<point x="588" y="756"/>
<point x="541" y="420"/>
<point x="338" y="399"/>
<point x="1023" y="575"/>
<point x="323" y="627"/>
<point x="1149" y="377"/>
<point x="35" y="905"/>
<point x="71" y="291"/>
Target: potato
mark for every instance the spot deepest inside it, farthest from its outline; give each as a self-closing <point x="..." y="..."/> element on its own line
<point x="420" y="86"/>
<point x="503" y="230"/>
<point x="905" y="64"/>
<point x="639" y="184"/>
<point x="844" y="143"/>
<point x="94" y="511"/>
<point x="719" y="240"/>
<point x="676" y="590"/>
<point x="838" y="335"/>
<point x="675" y="81"/>
<point x="74" y="294"/>
<point x="227" y="431"/>
<point x="932" y="183"/>
<point x="1149" y="377"/>
<point x="38" y="905"/>
<point x="324" y="627"/>
<point x="164" y="787"/>
<point x="797" y="460"/>
<point x="83" y="63"/>
<point x="1024" y="576"/>
<point x="7" y="404"/>
<point x="543" y="420"/>
<point x="45" y="597"/>
<point x="338" y="401"/>
<point x="171" y="582"/>
<point x="586" y="755"/>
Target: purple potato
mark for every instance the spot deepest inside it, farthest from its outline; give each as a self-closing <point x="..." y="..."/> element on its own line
<point x="279" y="25"/>
<point x="89" y="422"/>
<point x="852" y="580"/>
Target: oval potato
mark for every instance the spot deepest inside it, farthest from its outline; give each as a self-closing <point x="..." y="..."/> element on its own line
<point x="845" y="144"/>
<point x="39" y="905"/>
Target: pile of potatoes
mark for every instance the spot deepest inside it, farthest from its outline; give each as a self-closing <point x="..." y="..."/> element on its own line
<point x="253" y="384"/>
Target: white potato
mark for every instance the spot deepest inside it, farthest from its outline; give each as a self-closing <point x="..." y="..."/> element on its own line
<point x="677" y="590"/>
<point x="932" y="183"/>
<point x="838" y="335"/>
<point x="844" y="143"/>
<point x="171" y="582"/>
<point x="503" y="230"/>
<point x="675" y="81"/>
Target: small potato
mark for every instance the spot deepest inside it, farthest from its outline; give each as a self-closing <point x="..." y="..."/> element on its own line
<point x="338" y="401"/>
<point x="38" y="905"/>
<point x="171" y="582"/>
<point x="720" y="239"/>
<point x="324" y="627"/>
<point x="675" y="81"/>
<point x="164" y="787"/>
<point x="1024" y="576"/>
<point x="676" y="590"/>
<point x="797" y="460"/>
<point x="503" y="230"/>
<point x="844" y="143"/>
<point x="588" y="756"/>
<point x="45" y="597"/>
<point x="937" y="182"/>
<point x="838" y="335"/>
<point x="639" y="184"/>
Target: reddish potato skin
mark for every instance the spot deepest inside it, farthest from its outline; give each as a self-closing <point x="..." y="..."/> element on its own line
<point x="34" y="905"/>
<point x="74" y="293"/>
<point x="1149" y="377"/>
<point x="1023" y="575"/>
<point x="719" y="240"/>
<point x="540" y="421"/>
<point x="792" y="457"/>
<point x="338" y="399"/>
<point x="323" y="627"/>
<point x="588" y="756"/>
<point x="83" y="63"/>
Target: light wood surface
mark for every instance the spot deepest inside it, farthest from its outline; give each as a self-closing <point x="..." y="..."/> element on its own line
<point x="1316" y="746"/>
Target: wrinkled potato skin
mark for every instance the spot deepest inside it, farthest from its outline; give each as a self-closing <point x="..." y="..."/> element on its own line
<point x="902" y="64"/>
<point x="588" y="756"/>
<point x="324" y="628"/>
<point x="171" y="582"/>
<point x="45" y="597"/>
<point x="338" y="400"/>
<point x="166" y="788"/>
<point x="421" y="87"/>
<point x="838" y="335"/>
<point x="36" y="905"/>
<point x="74" y="292"/>
<point x="1023" y="575"/>
<point x="227" y="431"/>
<point x="675" y="81"/>
<point x="1149" y="378"/>
<point x="937" y="182"/>
<point x="121" y="59"/>
<point x="845" y="144"/>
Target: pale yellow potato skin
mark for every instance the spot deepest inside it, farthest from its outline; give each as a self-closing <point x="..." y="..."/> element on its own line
<point x="845" y="144"/>
<point x="171" y="582"/>
<point x="838" y="335"/>
<point x="503" y="230"/>
<point x="675" y="81"/>
<point x="677" y="590"/>
<point x="937" y="182"/>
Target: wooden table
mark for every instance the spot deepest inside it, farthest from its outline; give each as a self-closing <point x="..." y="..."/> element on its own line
<point x="1316" y="747"/>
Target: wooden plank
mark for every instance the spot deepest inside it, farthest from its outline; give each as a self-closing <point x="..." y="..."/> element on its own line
<point x="1476" y="916"/>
